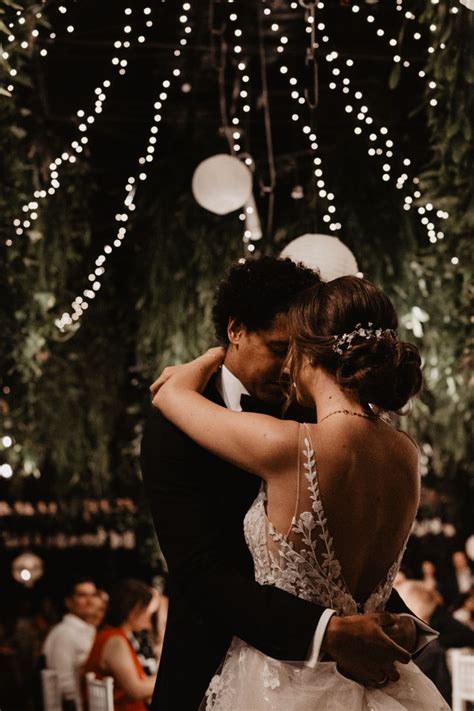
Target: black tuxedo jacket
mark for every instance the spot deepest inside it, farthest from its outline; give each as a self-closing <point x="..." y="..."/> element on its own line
<point x="198" y="503"/>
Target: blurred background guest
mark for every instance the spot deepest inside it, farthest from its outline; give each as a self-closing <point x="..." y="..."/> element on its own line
<point x="131" y="605"/>
<point x="68" y="643"/>
<point x="429" y="606"/>
<point x="464" y="612"/>
<point x="144" y="641"/>
<point x="429" y="577"/>
<point x="463" y="578"/>
<point x="96" y="613"/>
<point x="403" y="574"/>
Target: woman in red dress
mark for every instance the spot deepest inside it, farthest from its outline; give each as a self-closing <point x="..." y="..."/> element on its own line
<point x="130" y="608"/>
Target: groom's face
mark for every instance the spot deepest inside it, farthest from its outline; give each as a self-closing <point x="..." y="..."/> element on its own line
<point x="257" y="358"/>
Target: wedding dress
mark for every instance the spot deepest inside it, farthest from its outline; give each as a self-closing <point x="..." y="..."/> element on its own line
<point x="303" y="563"/>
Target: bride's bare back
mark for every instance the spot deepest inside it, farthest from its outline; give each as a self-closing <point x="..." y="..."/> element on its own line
<point x="369" y="486"/>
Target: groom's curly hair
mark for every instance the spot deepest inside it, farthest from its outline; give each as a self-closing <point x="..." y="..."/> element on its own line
<point x="254" y="291"/>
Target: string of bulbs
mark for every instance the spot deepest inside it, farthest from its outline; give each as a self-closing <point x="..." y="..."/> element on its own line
<point x="69" y="320"/>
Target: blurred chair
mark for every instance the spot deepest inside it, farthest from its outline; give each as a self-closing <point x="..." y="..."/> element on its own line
<point x="100" y="693"/>
<point x="50" y="690"/>
<point x="463" y="678"/>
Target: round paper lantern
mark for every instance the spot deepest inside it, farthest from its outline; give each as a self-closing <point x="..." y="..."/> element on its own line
<point x="27" y="568"/>
<point x="323" y="253"/>
<point x="222" y="184"/>
<point x="470" y="547"/>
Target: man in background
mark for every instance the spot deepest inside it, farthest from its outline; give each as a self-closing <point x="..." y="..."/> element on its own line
<point x="68" y="644"/>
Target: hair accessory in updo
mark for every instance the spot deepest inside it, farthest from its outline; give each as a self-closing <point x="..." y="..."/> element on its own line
<point x="344" y="341"/>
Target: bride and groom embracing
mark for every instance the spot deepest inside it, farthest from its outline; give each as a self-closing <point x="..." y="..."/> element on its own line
<point x="283" y="536"/>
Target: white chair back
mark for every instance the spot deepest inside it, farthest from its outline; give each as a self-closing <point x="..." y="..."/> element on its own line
<point x="463" y="678"/>
<point x="100" y="693"/>
<point x="51" y="691"/>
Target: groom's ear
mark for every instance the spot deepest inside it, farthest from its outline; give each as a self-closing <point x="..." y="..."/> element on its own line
<point x="235" y="331"/>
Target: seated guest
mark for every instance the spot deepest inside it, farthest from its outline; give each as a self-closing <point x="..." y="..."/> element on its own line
<point x="68" y="643"/>
<point x="144" y="642"/>
<point x="97" y="613"/>
<point x="130" y="608"/>
<point x="464" y="612"/>
<point x="428" y="572"/>
<point x="403" y="574"/>
<point x="462" y="572"/>
<point x="459" y="579"/>
<point x="428" y="605"/>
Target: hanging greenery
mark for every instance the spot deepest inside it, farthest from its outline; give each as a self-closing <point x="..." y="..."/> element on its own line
<point x="442" y="273"/>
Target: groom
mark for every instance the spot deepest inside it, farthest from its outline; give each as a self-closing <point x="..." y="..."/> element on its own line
<point x="198" y="503"/>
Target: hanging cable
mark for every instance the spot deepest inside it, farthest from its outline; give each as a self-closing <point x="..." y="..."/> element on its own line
<point x="269" y="188"/>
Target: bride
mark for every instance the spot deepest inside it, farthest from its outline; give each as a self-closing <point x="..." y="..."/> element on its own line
<point x="338" y="498"/>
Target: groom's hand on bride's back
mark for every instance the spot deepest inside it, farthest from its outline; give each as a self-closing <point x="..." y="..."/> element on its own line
<point x="363" y="650"/>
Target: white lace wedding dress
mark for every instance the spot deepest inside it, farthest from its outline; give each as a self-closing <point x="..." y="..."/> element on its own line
<point x="303" y="563"/>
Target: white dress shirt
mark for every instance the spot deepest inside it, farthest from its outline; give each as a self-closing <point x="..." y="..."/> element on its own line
<point x="66" y="648"/>
<point x="231" y="390"/>
<point x="464" y="579"/>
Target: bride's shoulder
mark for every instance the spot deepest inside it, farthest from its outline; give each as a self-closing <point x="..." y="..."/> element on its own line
<point x="411" y="441"/>
<point x="352" y="442"/>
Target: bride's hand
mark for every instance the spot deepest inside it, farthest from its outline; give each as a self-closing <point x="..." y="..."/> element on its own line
<point x="200" y="369"/>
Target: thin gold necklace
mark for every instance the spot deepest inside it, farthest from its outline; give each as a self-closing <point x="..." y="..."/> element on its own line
<point x="349" y="412"/>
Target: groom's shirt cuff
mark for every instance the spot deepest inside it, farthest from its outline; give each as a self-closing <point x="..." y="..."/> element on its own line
<point x="315" y="650"/>
<point x="426" y="634"/>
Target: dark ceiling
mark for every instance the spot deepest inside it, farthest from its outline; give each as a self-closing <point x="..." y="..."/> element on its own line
<point x="77" y="62"/>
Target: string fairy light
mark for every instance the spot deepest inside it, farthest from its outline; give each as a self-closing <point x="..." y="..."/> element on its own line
<point x="426" y="211"/>
<point x="22" y="20"/>
<point x="85" y="121"/>
<point x="63" y="10"/>
<point x="394" y="43"/>
<point x="413" y="199"/>
<point x="70" y="320"/>
<point x="383" y="147"/>
<point x="298" y="95"/>
<point x="380" y="143"/>
<point x="249" y="213"/>
<point x="14" y="26"/>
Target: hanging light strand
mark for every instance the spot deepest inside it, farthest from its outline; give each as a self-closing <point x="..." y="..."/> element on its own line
<point x="394" y="43"/>
<point x="69" y="320"/>
<point x="23" y="20"/>
<point x="297" y="94"/>
<point x="85" y="121"/>
<point x="16" y="26"/>
<point x="248" y="214"/>
<point x="380" y="142"/>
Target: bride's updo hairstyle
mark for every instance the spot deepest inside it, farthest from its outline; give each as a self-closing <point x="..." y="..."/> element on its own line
<point x="374" y="365"/>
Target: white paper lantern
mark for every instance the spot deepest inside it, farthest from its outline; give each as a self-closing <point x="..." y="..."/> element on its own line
<point x="222" y="184"/>
<point x="326" y="254"/>
<point x="27" y="568"/>
<point x="470" y="547"/>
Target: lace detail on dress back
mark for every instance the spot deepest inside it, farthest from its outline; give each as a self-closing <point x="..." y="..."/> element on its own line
<point x="303" y="561"/>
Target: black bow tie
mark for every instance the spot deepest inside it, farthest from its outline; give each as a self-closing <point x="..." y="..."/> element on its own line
<point x="248" y="403"/>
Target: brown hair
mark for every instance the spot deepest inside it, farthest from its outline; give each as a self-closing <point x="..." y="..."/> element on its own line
<point x="385" y="372"/>
<point x="124" y="597"/>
